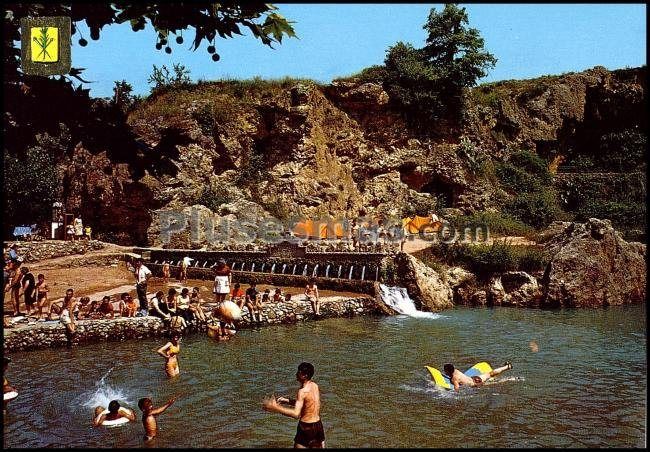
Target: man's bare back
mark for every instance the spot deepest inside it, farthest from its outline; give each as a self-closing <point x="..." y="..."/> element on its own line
<point x="311" y="405"/>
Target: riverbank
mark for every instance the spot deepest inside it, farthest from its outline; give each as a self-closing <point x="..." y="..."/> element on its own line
<point x="50" y="334"/>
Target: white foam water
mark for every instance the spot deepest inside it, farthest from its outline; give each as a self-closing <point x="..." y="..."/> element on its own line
<point x="398" y="299"/>
<point x="104" y="393"/>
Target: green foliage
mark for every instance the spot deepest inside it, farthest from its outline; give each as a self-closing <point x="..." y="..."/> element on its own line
<point x="484" y="259"/>
<point x="162" y="78"/>
<point x="252" y="171"/>
<point x="496" y="222"/>
<point x="122" y="95"/>
<point x="535" y="203"/>
<point x="537" y="209"/>
<point x="428" y="83"/>
<point x="623" y="151"/>
<point x="204" y="117"/>
<point x="420" y="206"/>
<point x="31" y="185"/>
<point x="373" y="74"/>
<point x="212" y="199"/>
<point x="621" y="214"/>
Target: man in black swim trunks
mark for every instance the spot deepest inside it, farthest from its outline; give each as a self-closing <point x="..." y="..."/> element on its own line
<point x="306" y="408"/>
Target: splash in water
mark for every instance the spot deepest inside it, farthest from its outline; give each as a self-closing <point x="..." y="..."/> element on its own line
<point x="398" y="299"/>
<point x="104" y="393"/>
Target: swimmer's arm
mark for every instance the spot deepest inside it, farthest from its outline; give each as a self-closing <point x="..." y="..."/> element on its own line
<point x="127" y="413"/>
<point x="290" y="412"/>
<point x="99" y="419"/>
<point x="157" y="411"/>
<point x="456" y="385"/>
<point x="161" y="351"/>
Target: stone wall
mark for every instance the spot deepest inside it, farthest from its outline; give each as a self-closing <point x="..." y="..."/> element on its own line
<point x="49" y="249"/>
<point x="52" y="334"/>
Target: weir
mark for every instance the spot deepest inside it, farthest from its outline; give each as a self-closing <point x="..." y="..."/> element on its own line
<point x="287" y="263"/>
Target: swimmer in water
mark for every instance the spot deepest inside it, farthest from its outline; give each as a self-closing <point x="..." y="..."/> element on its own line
<point x="460" y="379"/>
<point x="149" y="414"/>
<point x="115" y="411"/>
<point x="306" y="408"/>
<point x="170" y="352"/>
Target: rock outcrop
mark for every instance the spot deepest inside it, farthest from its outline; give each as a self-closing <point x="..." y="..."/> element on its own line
<point x="591" y="265"/>
<point x="423" y="284"/>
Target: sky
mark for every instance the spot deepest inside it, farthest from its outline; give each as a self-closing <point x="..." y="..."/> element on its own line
<point x="338" y="40"/>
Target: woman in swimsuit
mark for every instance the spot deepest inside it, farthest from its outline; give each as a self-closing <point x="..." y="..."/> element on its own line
<point x="169" y="351"/>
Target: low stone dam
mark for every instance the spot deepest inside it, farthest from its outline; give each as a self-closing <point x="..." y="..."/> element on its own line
<point x="284" y="264"/>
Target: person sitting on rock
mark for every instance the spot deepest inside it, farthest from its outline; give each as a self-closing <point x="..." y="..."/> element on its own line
<point x="237" y="295"/>
<point x="158" y="307"/>
<point x="130" y="307"/>
<point x="277" y="295"/>
<point x="195" y="305"/>
<point x="106" y="308"/>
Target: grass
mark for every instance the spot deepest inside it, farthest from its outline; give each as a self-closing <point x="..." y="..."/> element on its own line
<point x="171" y="102"/>
<point x="484" y="260"/>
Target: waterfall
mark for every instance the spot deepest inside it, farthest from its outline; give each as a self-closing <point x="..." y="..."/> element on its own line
<point x="283" y="267"/>
<point x="327" y="270"/>
<point x="363" y="272"/>
<point x="253" y="267"/>
<point x="313" y="273"/>
<point x="272" y="267"/>
<point x="339" y="274"/>
<point x="263" y="265"/>
<point x="377" y="274"/>
<point x="205" y="263"/>
<point x="304" y="271"/>
<point x="156" y="261"/>
<point x="398" y="299"/>
<point x="243" y="264"/>
<point x="351" y="268"/>
<point x="294" y="269"/>
<point x="196" y="264"/>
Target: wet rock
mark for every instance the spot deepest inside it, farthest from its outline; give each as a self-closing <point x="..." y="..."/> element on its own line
<point x="423" y="284"/>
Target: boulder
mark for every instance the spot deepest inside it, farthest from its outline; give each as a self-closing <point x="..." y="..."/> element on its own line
<point x="591" y="265"/>
<point x="423" y="284"/>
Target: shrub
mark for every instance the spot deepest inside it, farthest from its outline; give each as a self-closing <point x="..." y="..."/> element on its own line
<point x="537" y="209"/>
<point x="621" y="214"/>
<point x="516" y="179"/>
<point x="496" y="222"/>
<point x="205" y="119"/>
<point x="213" y="199"/>
<point x="162" y="78"/>
<point x="484" y="259"/>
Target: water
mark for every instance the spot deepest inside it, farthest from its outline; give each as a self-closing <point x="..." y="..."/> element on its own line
<point x="398" y="299"/>
<point x="253" y="267"/>
<point x="350" y="275"/>
<point x="294" y="269"/>
<point x="313" y="273"/>
<point x="585" y="387"/>
<point x="327" y="270"/>
<point x="363" y="273"/>
<point x="339" y="274"/>
<point x="284" y="266"/>
<point x="272" y="267"/>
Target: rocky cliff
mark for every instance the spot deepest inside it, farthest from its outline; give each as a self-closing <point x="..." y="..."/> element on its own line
<point x="277" y="149"/>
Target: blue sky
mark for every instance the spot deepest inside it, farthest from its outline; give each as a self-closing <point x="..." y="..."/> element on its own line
<point x="337" y="40"/>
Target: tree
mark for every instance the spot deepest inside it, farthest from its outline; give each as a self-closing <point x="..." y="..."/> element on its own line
<point x="122" y="97"/>
<point x="429" y="82"/>
<point x="163" y="78"/>
<point x="457" y="52"/>
<point x="25" y="95"/>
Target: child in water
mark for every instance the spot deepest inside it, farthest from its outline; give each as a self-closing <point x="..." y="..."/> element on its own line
<point x="148" y="416"/>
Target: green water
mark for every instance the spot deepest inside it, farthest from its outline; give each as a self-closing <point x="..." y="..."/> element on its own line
<point x="585" y="387"/>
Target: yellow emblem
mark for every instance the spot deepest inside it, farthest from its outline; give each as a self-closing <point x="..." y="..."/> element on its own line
<point x="45" y="44"/>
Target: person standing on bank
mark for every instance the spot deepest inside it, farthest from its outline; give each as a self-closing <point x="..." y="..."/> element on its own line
<point x="311" y="295"/>
<point x="306" y="408"/>
<point x="78" y="228"/>
<point x="222" y="280"/>
<point x="142" y="275"/>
